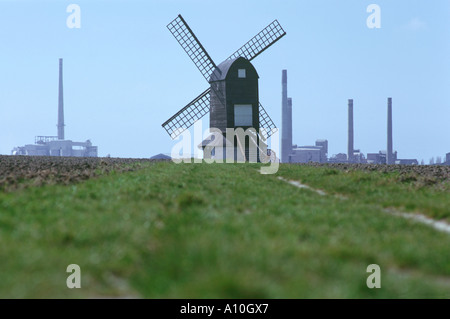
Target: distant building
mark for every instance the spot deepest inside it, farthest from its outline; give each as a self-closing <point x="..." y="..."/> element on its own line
<point x="338" y="158"/>
<point x="306" y="154"/>
<point x="446" y="160"/>
<point x="407" y="162"/>
<point x="51" y="146"/>
<point x="377" y="158"/>
<point x="161" y="156"/>
<point x="380" y="158"/>
<point x="358" y="157"/>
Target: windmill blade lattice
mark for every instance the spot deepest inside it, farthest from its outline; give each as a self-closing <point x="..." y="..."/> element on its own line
<point x="265" y="122"/>
<point x="188" y="115"/>
<point x="192" y="46"/>
<point x="260" y="42"/>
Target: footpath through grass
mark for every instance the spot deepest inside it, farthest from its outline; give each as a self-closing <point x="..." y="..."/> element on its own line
<point x="223" y="231"/>
<point x="387" y="189"/>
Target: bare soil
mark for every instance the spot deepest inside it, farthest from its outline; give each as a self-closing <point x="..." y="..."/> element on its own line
<point x="421" y="175"/>
<point x="22" y="171"/>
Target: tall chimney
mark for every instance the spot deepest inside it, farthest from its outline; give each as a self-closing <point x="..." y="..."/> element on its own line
<point x="350" y="148"/>
<point x="60" y="103"/>
<point x="289" y="133"/>
<point x="286" y="145"/>
<point x="389" y="152"/>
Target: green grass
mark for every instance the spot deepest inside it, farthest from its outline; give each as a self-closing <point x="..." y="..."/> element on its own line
<point x="224" y="231"/>
<point x="385" y="189"/>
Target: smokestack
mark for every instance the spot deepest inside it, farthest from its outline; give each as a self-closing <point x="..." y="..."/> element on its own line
<point x="389" y="151"/>
<point x="60" y="103"/>
<point x="289" y="130"/>
<point x="286" y="145"/>
<point x="350" y="148"/>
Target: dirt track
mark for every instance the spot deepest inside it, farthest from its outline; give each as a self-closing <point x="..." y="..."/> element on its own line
<point x="21" y="171"/>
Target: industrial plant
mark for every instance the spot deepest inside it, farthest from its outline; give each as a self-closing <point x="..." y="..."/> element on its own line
<point x="291" y="153"/>
<point x="57" y="145"/>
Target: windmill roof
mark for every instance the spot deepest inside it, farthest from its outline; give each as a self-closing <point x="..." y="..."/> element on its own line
<point x="221" y="71"/>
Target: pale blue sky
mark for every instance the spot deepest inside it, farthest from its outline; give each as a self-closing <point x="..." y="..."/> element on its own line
<point x="124" y="73"/>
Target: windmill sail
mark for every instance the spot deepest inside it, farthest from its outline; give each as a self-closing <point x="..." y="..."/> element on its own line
<point x="200" y="106"/>
<point x="192" y="46"/>
<point x="265" y="122"/>
<point x="188" y="115"/>
<point x="260" y="42"/>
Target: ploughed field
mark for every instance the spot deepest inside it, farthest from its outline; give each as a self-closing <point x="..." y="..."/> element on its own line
<point x="155" y="229"/>
<point x="419" y="174"/>
<point x="22" y="171"/>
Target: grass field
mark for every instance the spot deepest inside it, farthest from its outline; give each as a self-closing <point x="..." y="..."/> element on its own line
<point x="225" y="231"/>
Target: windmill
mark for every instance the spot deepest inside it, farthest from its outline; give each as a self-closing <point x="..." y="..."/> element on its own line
<point x="215" y="98"/>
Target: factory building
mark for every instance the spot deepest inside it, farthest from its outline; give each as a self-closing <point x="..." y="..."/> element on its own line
<point x="358" y="157"/>
<point x="404" y="161"/>
<point x="381" y="158"/>
<point x="306" y="154"/>
<point x="57" y="145"/>
<point x="52" y="146"/>
<point x="378" y="158"/>
<point x="338" y="158"/>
